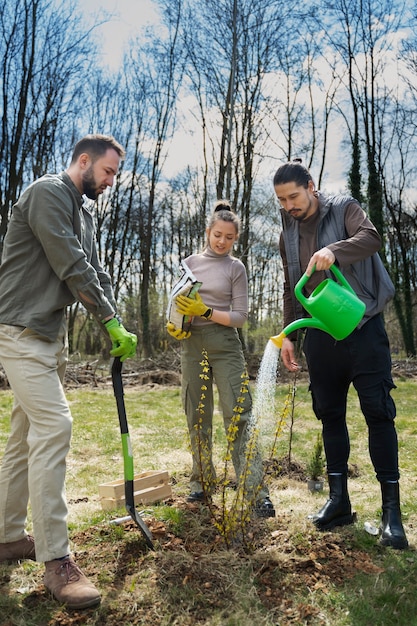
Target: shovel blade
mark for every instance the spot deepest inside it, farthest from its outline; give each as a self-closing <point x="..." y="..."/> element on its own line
<point x="141" y="525"/>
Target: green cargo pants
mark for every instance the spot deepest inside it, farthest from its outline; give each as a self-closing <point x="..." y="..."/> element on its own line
<point x="226" y="367"/>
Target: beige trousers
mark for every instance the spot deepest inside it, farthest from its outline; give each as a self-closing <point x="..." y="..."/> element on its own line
<point x="34" y="462"/>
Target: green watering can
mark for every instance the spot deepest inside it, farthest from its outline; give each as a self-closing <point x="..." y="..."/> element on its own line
<point x="334" y="307"/>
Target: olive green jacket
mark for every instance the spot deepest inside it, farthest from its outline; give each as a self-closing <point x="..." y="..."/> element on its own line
<point x="50" y="259"/>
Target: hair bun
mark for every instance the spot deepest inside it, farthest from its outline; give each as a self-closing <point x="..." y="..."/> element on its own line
<point x="222" y="205"/>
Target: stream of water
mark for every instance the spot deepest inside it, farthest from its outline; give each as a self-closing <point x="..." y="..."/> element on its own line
<point x="265" y="386"/>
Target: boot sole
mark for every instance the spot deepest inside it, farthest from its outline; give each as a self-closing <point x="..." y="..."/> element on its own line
<point x="266" y="513"/>
<point x="74" y="607"/>
<point x="16" y="559"/>
<point x="396" y="544"/>
<point x="85" y="605"/>
<point x="343" y="520"/>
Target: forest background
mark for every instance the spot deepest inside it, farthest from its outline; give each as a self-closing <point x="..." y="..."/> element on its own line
<point x="228" y="89"/>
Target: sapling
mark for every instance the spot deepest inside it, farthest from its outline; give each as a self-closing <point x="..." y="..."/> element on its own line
<point x="315" y="465"/>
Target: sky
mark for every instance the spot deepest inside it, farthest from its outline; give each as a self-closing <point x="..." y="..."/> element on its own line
<point x="124" y="19"/>
<point x="128" y="17"/>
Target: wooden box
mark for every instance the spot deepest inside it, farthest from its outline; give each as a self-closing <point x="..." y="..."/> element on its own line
<point x="148" y="487"/>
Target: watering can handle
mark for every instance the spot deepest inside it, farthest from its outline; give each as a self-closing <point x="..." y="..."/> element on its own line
<point x="304" y="279"/>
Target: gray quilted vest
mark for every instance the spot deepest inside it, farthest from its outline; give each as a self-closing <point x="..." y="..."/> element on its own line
<point x="369" y="278"/>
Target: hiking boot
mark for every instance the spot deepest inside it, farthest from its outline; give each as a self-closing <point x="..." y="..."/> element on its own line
<point x="18" y="550"/>
<point x="264" y="508"/>
<point x="68" y="585"/>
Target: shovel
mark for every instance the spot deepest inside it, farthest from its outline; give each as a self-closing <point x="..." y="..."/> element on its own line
<point x="116" y="374"/>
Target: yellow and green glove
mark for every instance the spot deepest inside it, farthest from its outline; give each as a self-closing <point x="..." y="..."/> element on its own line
<point x="193" y="306"/>
<point x="177" y="333"/>
<point x="124" y="343"/>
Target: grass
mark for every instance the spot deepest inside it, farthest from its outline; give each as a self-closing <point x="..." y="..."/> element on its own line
<point x="294" y="575"/>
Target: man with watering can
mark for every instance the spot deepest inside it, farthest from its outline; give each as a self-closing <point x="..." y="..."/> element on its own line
<point x="321" y="233"/>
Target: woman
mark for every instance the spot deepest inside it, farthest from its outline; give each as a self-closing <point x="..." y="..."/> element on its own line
<point x="218" y="309"/>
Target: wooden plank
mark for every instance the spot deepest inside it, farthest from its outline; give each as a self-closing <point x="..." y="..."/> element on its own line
<point x="145" y="496"/>
<point x="115" y="489"/>
<point x="148" y="487"/>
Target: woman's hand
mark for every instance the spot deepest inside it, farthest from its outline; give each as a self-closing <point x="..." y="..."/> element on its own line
<point x="177" y="333"/>
<point x="193" y="306"/>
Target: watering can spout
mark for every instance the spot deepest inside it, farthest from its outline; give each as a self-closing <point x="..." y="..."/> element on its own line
<point x="278" y="339"/>
<point x="301" y="323"/>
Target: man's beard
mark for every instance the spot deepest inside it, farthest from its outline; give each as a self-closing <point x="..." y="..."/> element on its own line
<point x="300" y="217"/>
<point x="89" y="184"/>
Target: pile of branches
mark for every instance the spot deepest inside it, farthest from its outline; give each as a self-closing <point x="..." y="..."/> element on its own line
<point x="96" y="373"/>
<point x="163" y="370"/>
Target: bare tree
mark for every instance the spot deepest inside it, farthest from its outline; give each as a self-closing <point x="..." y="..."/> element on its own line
<point x="231" y="49"/>
<point x="45" y="53"/>
<point x="154" y="75"/>
<point x="363" y="32"/>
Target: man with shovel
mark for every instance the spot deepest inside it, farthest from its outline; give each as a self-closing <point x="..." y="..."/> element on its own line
<point x="49" y="262"/>
<point x="320" y="231"/>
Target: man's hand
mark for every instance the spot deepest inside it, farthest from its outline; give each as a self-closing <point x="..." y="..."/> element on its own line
<point x="288" y="355"/>
<point x="177" y="333"/>
<point x="323" y="259"/>
<point x="192" y="307"/>
<point x="124" y="343"/>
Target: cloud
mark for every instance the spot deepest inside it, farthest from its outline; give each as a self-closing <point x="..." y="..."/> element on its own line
<point x="124" y="19"/>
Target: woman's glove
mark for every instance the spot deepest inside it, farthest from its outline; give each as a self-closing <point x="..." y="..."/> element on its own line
<point x="177" y="333"/>
<point x="124" y="343"/>
<point x="191" y="306"/>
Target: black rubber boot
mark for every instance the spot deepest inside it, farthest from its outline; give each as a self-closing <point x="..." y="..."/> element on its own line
<point x="337" y="511"/>
<point x="264" y="508"/>
<point x="392" y="530"/>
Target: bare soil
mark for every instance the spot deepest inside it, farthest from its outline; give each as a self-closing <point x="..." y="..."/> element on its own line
<point x="191" y="575"/>
<point x="280" y="564"/>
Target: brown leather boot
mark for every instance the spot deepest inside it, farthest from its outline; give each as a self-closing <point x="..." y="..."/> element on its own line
<point x="18" y="550"/>
<point x="68" y="585"/>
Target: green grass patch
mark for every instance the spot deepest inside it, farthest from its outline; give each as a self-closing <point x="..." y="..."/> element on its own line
<point x="293" y="575"/>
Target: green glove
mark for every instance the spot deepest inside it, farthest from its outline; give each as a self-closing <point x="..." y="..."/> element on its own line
<point x="124" y="343"/>
<point x="177" y="333"/>
<point x="191" y="306"/>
